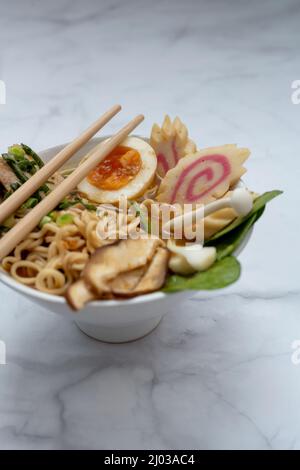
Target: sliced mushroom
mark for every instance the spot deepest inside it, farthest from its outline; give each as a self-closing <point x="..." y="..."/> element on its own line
<point x="7" y="176"/>
<point x="142" y="280"/>
<point x="129" y="268"/>
<point x="78" y="295"/>
<point x="155" y="275"/>
<point x="109" y="261"/>
<point x="127" y="281"/>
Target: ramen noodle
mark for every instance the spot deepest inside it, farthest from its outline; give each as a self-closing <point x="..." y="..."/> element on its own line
<point x="53" y="257"/>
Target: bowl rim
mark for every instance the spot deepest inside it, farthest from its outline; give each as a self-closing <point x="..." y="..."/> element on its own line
<point x="28" y="291"/>
<point x="6" y="279"/>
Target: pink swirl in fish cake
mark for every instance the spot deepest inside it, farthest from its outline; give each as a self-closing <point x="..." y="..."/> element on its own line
<point x="189" y="178"/>
<point x="171" y="143"/>
<point x="203" y="176"/>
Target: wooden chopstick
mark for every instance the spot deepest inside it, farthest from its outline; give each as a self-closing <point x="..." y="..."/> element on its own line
<point x="10" y="205"/>
<point x="32" y="219"/>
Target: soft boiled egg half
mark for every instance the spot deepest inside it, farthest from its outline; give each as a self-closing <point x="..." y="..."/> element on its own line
<point x="127" y="171"/>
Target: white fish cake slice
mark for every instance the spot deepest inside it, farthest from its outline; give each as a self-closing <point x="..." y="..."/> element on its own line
<point x="170" y="142"/>
<point x="203" y="176"/>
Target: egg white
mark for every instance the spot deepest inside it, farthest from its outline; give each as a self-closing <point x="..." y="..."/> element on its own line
<point x="137" y="186"/>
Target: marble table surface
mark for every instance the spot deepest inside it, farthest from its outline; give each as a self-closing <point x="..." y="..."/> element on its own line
<point x="218" y="373"/>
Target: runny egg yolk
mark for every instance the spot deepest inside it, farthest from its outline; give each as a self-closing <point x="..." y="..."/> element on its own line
<point x="117" y="169"/>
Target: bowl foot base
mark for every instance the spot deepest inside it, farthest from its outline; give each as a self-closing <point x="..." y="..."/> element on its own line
<point x="120" y="334"/>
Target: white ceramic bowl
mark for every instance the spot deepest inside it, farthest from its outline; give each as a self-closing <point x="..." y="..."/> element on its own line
<point x="114" y="321"/>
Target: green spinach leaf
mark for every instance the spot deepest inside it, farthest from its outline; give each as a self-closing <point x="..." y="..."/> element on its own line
<point x="223" y="273"/>
<point x="229" y="243"/>
<point x="258" y="204"/>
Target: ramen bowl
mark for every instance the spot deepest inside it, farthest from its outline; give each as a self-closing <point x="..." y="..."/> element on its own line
<point x="113" y="321"/>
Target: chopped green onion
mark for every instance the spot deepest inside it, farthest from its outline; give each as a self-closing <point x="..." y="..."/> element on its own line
<point x="3" y="229"/>
<point x="53" y="215"/>
<point x="89" y="207"/>
<point x="10" y="222"/>
<point x="30" y="203"/>
<point x="17" y="151"/>
<point x="15" y="186"/>
<point x="64" y="219"/>
<point x="7" y="194"/>
<point x="45" y="189"/>
<point x="32" y="154"/>
<point x="45" y="220"/>
<point x="13" y="165"/>
<point x="37" y="196"/>
<point x="144" y="219"/>
<point x="26" y="165"/>
<point x="65" y="204"/>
